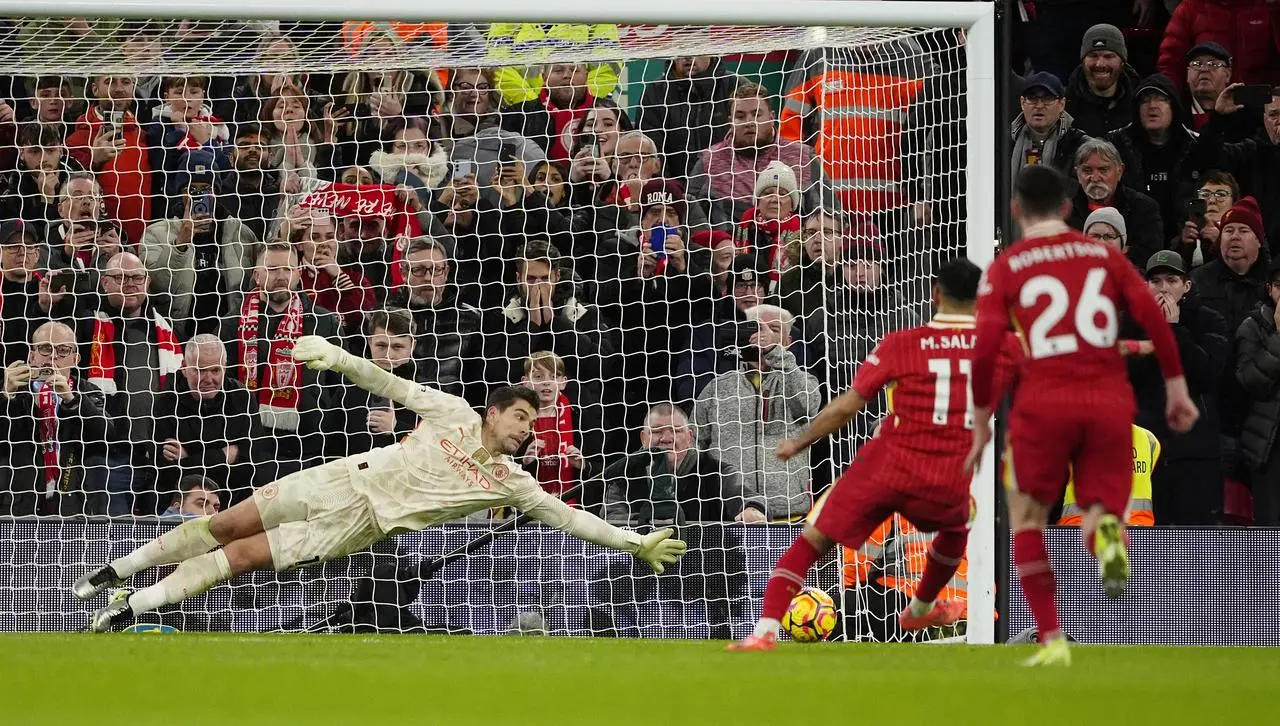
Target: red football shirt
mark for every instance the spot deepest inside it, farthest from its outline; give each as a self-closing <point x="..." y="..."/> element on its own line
<point x="927" y="371"/>
<point x="1063" y="292"/>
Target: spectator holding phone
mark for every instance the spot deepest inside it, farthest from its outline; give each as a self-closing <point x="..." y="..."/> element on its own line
<point x="1200" y="236"/>
<point x="594" y="192"/>
<point x="364" y="421"/>
<point x="410" y="158"/>
<point x="1254" y="162"/>
<point x="52" y="430"/>
<point x="1209" y="70"/>
<point x="108" y="139"/>
<point x="664" y="293"/>
<point x="199" y="256"/>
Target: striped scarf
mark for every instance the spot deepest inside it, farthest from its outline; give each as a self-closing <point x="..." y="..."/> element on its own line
<point x="278" y="391"/>
<point x="106" y="341"/>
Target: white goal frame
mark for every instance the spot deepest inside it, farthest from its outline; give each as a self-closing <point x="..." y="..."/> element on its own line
<point x="976" y="18"/>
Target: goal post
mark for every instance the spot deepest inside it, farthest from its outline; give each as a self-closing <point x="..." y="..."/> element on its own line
<point x="654" y="33"/>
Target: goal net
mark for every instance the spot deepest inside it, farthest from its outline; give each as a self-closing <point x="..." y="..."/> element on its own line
<point x="683" y="238"/>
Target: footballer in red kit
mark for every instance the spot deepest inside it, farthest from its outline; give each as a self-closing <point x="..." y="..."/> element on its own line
<point x="1073" y="407"/>
<point x="915" y="465"/>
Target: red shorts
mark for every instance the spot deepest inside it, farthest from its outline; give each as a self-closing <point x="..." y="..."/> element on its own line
<point x="1048" y="446"/>
<point x="876" y="486"/>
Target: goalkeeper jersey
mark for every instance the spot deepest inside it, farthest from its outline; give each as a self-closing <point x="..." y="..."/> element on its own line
<point x="441" y="470"/>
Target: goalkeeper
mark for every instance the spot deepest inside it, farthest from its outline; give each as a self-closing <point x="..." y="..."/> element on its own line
<point x="451" y="465"/>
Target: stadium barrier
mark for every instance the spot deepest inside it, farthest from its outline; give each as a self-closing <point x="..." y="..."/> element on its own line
<point x="1190" y="587"/>
<point x="535" y="570"/>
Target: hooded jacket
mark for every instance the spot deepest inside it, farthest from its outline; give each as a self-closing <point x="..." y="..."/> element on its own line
<point x="1097" y="116"/>
<point x="1166" y="173"/>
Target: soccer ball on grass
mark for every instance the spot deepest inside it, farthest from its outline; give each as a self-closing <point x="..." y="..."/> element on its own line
<point x="810" y="617"/>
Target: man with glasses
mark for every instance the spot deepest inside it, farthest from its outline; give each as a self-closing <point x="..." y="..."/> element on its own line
<point x="1199" y="239"/>
<point x="133" y="354"/>
<point x="448" y="341"/>
<point x="20" y="310"/>
<point x="53" y="420"/>
<point x="1044" y="133"/>
<point x="1209" y="67"/>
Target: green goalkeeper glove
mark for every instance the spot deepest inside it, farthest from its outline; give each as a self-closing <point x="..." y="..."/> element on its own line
<point x="658" y="549"/>
<point x="319" y="354"/>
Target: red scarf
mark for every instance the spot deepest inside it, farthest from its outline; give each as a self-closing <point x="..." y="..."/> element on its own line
<point x="782" y="232"/>
<point x="562" y="122"/>
<point x="370" y="200"/>
<point x="278" y="393"/>
<point x="556" y="434"/>
<point x="47" y="414"/>
<point x="102" y="351"/>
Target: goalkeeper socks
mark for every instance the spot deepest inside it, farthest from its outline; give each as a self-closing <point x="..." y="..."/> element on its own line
<point x="1038" y="585"/>
<point x="192" y="577"/>
<point x="945" y="555"/>
<point x="786" y="580"/>
<point x="187" y="540"/>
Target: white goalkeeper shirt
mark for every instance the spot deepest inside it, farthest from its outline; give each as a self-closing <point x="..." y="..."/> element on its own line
<point x="442" y="471"/>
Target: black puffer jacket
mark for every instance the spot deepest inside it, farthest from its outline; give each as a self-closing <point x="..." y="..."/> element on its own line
<point x="1166" y="173"/>
<point x="1258" y="371"/>
<point x="1203" y="343"/>
<point x="685" y="116"/>
<point x="1233" y="296"/>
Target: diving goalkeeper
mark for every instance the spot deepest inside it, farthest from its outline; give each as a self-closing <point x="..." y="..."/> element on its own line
<point x="451" y="465"/>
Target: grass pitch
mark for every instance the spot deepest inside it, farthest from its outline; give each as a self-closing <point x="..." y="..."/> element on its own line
<point x="49" y="680"/>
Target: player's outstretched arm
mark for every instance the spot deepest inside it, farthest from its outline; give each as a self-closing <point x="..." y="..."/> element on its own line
<point x="830" y="419"/>
<point x="657" y="549"/>
<point x="319" y="354"/>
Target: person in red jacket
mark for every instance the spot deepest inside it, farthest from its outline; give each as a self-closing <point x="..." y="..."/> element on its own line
<point x="108" y="139"/>
<point x="1245" y="28"/>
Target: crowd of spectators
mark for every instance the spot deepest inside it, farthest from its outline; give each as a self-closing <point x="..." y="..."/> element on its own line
<point x="1167" y="117"/>
<point x="684" y="271"/>
<point x="703" y="260"/>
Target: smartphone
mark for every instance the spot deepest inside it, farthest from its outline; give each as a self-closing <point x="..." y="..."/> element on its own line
<point x="61" y="280"/>
<point x="588" y="141"/>
<point x="463" y="168"/>
<point x="1255" y="95"/>
<point x="1195" y="211"/>
<point x="508" y="154"/>
<point x="41" y="374"/>
<point x="201" y="201"/>
<point x="658" y="239"/>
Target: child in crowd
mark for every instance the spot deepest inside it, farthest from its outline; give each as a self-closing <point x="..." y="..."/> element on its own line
<point x="553" y="456"/>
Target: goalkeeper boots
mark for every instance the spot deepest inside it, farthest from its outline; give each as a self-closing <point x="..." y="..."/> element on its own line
<point x="1113" y="555"/>
<point x="1053" y="652"/>
<point x="943" y="613"/>
<point x="95" y="581"/>
<point x="755" y="642"/>
<point x="117" y="611"/>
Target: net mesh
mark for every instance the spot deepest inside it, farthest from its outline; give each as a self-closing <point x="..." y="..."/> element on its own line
<point x="679" y="252"/>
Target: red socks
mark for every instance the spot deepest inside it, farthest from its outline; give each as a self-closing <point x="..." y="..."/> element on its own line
<point x="788" y="577"/>
<point x="1036" y="575"/>
<point x="944" y="557"/>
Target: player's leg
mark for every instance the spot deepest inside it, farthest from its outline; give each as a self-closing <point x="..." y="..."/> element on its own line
<point x="951" y="522"/>
<point x="192" y="577"/>
<point x="1037" y="473"/>
<point x="190" y="539"/>
<point x="847" y="514"/>
<point x="1104" y="481"/>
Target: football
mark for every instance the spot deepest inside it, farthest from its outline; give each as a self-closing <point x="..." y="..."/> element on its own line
<point x="810" y="617"/>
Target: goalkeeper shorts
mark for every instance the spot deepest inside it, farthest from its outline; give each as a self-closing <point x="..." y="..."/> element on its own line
<point x="315" y="515"/>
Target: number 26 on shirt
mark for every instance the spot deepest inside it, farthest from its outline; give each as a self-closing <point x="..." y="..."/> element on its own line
<point x="1090" y="306"/>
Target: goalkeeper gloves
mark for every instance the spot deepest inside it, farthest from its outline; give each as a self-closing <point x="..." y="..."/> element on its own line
<point x="658" y="549"/>
<point x="319" y="354"/>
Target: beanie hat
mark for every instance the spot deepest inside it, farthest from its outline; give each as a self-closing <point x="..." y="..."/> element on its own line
<point x="664" y="193"/>
<point x="1111" y="216"/>
<point x="1246" y="212"/>
<point x="779" y="175"/>
<point x="709" y="239"/>
<point x="1104" y="37"/>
